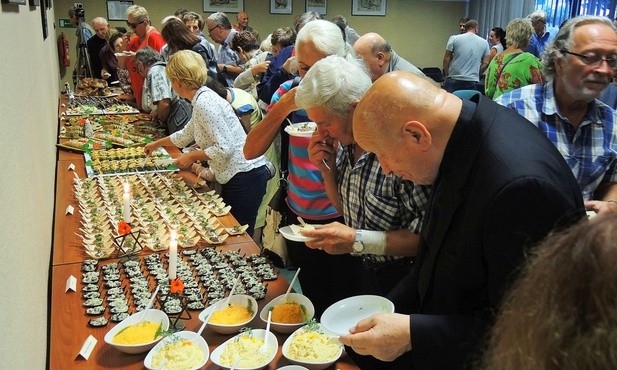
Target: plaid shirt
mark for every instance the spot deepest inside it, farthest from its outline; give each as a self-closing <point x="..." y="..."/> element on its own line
<point x="589" y="150"/>
<point x="373" y="200"/>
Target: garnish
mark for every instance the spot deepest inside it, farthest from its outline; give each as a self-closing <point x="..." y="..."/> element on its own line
<point x="313" y="325"/>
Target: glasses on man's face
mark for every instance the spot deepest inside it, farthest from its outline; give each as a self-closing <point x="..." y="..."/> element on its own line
<point x="134" y="25"/>
<point x="213" y="28"/>
<point x="592" y="59"/>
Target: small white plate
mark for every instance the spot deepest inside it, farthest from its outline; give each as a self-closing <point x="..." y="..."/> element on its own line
<point x="302" y="129"/>
<point x="346" y="313"/>
<point x="288" y="234"/>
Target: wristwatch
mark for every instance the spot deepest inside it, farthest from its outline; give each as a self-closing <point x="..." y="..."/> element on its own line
<point x="358" y="245"/>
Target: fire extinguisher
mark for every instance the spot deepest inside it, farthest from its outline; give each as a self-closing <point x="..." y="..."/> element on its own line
<point x="63" y="51"/>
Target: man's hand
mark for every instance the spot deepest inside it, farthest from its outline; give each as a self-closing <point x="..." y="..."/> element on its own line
<point x="384" y="336"/>
<point x="600" y="206"/>
<point x="333" y="238"/>
<point x="260" y="67"/>
<point x="321" y="148"/>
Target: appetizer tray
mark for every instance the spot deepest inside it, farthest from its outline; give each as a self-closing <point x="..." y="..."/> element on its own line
<point x="82" y="145"/>
<point x="159" y="202"/>
<point x="83" y="105"/>
<point x="112" y="291"/>
<point x="118" y="161"/>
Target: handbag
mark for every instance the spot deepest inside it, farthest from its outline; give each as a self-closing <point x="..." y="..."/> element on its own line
<point x="274" y="244"/>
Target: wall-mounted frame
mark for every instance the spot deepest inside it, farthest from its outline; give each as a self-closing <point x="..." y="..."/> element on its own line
<point x="225" y="6"/>
<point x="368" y="7"/>
<point x="34" y="3"/>
<point x="281" y="6"/>
<point x="116" y="9"/>
<point x="318" y="6"/>
<point x="18" y="2"/>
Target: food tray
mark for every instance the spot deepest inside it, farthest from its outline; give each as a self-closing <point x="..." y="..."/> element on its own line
<point x="159" y="153"/>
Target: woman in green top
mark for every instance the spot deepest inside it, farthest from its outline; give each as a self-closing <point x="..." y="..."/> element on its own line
<point x="513" y="68"/>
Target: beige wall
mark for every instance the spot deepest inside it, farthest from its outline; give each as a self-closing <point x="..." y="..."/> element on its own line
<point x="28" y="105"/>
<point x="417" y="29"/>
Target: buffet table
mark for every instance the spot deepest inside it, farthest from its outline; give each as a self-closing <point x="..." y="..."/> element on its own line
<point x="69" y="327"/>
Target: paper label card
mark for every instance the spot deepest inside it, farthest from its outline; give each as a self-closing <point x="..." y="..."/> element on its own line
<point x="71" y="283"/>
<point x="87" y="347"/>
<point x="71" y="167"/>
<point x="69" y="209"/>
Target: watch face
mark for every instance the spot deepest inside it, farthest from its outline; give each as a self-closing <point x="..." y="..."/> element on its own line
<point x="358" y="247"/>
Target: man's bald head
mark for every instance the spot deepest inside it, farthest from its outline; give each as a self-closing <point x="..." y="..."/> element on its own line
<point x="406" y="121"/>
<point x="376" y="53"/>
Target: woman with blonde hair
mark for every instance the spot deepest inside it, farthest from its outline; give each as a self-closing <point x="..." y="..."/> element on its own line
<point x="513" y="68"/>
<point x="217" y="130"/>
<point x="562" y="312"/>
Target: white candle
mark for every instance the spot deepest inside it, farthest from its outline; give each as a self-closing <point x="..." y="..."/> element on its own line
<point x="126" y="197"/>
<point x="173" y="251"/>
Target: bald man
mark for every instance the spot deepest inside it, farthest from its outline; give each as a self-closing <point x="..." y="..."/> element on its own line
<point x="498" y="187"/>
<point x="380" y="58"/>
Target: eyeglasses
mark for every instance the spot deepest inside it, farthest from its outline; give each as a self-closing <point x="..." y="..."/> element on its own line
<point x="593" y="60"/>
<point x="134" y="25"/>
<point x="213" y="28"/>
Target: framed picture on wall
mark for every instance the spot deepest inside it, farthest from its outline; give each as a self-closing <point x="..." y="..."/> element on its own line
<point x="281" y="6"/>
<point x="318" y="6"/>
<point x="226" y="6"/>
<point x="368" y="7"/>
<point x="116" y="10"/>
<point x="20" y="2"/>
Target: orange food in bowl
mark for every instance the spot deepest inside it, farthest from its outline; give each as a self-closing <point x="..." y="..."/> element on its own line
<point x="288" y="313"/>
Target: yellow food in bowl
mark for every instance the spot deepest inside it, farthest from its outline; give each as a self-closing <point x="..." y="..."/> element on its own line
<point x="180" y="354"/>
<point x="288" y="313"/>
<point x="246" y="348"/>
<point x="231" y="315"/>
<point x="139" y="333"/>
<point x="313" y="346"/>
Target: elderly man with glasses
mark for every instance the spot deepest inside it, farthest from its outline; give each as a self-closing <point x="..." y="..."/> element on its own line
<point x="144" y="35"/>
<point x="578" y="65"/>
<point x="221" y="32"/>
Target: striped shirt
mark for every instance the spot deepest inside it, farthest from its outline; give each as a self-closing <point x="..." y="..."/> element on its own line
<point x="306" y="193"/>
<point x="589" y="149"/>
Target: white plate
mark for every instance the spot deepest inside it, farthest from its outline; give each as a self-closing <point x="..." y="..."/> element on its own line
<point x="288" y="234"/>
<point x="344" y="314"/>
<point x="296" y="129"/>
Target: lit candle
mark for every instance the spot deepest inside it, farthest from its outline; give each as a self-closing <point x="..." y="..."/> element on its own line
<point x="126" y="197"/>
<point x="173" y="251"/>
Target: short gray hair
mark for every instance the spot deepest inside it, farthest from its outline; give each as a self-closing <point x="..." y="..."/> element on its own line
<point x="538" y="15"/>
<point x="325" y="36"/>
<point x="147" y="56"/>
<point x="305" y="18"/>
<point x="563" y="41"/>
<point x="138" y="12"/>
<point x="519" y="31"/>
<point x="220" y="19"/>
<point x="333" y="83"/>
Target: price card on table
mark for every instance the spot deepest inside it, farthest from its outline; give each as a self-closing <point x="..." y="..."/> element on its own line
<point x="87" y="347"/>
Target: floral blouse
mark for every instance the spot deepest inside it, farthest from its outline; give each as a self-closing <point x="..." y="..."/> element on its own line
<point x="521" y="69"/>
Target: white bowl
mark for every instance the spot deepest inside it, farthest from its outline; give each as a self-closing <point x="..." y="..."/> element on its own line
<point x="191" y="335"/>
<point x="150" y="315"/>
<point x="237" y="299"/>
<point x="346" y="313"/>
<point x="312" y="365"/>
<point x="258" y="333"/>
<point x="292" y="367"/>
<point x="292" y="297"/>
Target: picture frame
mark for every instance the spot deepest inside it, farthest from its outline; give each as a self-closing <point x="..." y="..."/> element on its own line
<point x="368" y="7"/>
<point x="318" y="6"/>
<point x="281" y="6"/>
<point x="225" y="6"/>
<point x="17" y="2"/>
<point x="116" y="9"/>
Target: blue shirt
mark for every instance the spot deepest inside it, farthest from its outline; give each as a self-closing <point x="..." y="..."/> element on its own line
<point x="228" y="56"/>
<point x="537" y="44"/>
<point x="589" y="149"/>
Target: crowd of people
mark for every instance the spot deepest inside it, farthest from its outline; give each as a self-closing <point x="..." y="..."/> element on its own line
<point x="464" y="204"/>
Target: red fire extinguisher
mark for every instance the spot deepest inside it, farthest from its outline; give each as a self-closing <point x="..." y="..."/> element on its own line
<point x="63" y="51"/>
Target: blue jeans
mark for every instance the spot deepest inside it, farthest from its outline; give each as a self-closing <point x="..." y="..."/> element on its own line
<point x="244" y="193"/>
<point x="452" y="85"/>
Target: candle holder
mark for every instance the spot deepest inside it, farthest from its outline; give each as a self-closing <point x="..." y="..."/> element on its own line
<point x="127" y="244"/>
<point x="176" y="322"/>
